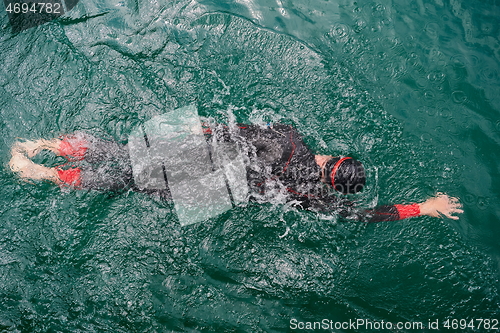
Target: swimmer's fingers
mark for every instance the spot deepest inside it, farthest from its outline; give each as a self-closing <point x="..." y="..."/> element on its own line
<point x="446" y="214"/>
<point x="454" y="203"/>
<point x="453" y="217"/>
<point x="456" y="211"/>
<point x="453" y="207"/>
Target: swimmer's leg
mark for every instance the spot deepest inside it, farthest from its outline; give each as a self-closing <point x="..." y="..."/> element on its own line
<point x="26" y="168"/>
<point x="72" y="146"/>
<point x="32" y="148"/>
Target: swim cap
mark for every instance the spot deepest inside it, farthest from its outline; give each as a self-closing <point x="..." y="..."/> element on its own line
<point x="345" y="174"/>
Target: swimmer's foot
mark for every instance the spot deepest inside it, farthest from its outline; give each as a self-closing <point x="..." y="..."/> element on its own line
<point x="32" y="148"/>
<point x="21" y="164"/>
<point x="27" y="169"/>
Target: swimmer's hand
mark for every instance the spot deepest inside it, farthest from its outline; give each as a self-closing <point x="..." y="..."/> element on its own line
<point x="441" y="205"/>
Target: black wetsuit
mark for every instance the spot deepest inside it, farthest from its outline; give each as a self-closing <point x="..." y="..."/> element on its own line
<point x="280" y="161"/>
<point x="278" y="165"/>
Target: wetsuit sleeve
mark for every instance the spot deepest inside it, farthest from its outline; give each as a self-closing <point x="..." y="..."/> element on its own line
<point x="347" y="210"/>
<point x="392" y="213"/>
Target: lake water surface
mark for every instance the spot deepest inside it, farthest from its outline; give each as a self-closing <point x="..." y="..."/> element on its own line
<point x="411" y="88"/>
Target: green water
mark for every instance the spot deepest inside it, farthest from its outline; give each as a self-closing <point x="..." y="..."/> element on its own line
<point x="409" y="87"/>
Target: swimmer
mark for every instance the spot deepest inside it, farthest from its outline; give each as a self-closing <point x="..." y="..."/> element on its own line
<point x="278" y="160"/>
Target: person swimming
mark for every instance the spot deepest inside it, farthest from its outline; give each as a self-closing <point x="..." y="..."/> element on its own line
<point x="277" y="161"/>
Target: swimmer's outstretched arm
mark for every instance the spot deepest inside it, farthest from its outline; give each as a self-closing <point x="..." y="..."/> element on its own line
<point x="441" y="205"/>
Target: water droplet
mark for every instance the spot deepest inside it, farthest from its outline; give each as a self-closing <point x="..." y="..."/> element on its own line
<point x="486" y="27"/>
<point x="436" y="77"/>
<point x="429" y="95"/>
<point x="378" y="10"/>
<point x="473" y="60"/>
<point x="483" y="203"/>
<point x="459" y="97"/>
<point x="360" y="25"/>
<point x="490" y="74"/>
<point x="340" y="31"/>
<point x="432" y="30"/>
<point x="398" y="70"/>
<point x="422" y="124"/>
<point x="459" y="60"/>
<point x="431" y="111"/>
<point x="469" y="199"/>
<point x="426" y="137"/>
<point x="445" y="113"/>
<point x="413" y="59"/>
<point x="455" y="152"/>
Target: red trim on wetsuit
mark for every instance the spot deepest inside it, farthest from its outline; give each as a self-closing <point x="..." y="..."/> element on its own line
<point x="73" y="146"/>
<point x="70" y="176"/>
<point x="406" y="211"/>
<point x="335" y="167"/>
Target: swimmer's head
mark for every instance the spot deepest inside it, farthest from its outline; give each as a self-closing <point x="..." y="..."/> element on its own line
<point x="345" y="174"/>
